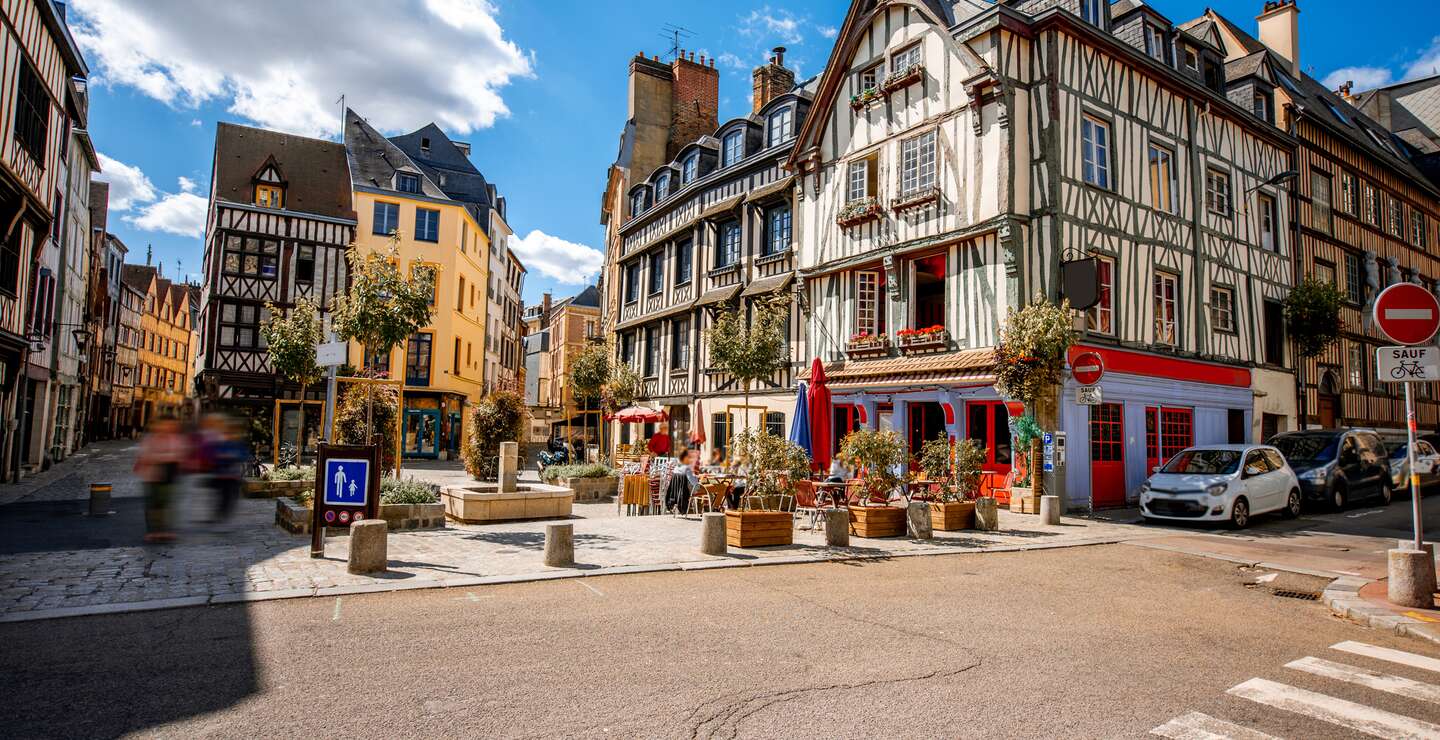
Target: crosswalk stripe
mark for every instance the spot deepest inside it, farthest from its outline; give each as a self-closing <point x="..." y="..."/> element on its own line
<point x="1201" y="726"/>
<point x="1368" y="720"/>
<point x="1378" y="681"/>
<point x="1394" y="656"/>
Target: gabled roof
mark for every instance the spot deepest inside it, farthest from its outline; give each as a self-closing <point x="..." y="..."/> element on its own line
<point x="374" y="159"/>
<point x="137" y="276"/>
<point x="589" y="297"/>
<point x="1250" y="65"/>
<point x="463" y="181"/>
<point x="320" y="180"/>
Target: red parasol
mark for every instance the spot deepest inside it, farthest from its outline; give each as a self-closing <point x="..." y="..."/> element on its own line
<point x="697" y="426"/>
<point x="639" y="415"/>
<point x="820" y="413"/>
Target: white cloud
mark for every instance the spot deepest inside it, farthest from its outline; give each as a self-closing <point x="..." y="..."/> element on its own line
<point x="829" y="32"/>
<point x="176" y="213"/>
<point x="1365" y="78"/>
<point x="781" y="24"/>
<point x="1428" y="63"/>
<point x="128" y="185"/>
<point x="726" y="59"/>
<point x="282" y="64"/>
<point x="186" y="185"/>
<point x="556" y="258"/>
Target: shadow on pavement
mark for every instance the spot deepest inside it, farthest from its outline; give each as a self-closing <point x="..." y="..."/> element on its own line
<point x="47" y="526"/>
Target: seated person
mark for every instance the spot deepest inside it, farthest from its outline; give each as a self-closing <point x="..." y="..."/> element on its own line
<point x="839" y="472"/>
<point x="683" y="482"/>
<point x="740" y="470"/>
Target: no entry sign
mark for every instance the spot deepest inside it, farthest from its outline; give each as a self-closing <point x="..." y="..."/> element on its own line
<point x="1407" y="313"/>
<point x="1087" y="367"/>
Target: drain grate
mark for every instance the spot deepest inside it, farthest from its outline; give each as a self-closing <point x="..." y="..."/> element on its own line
<point x="1301" y="595"/>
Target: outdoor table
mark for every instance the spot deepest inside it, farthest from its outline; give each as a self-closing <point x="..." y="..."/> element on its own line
<point x="636" y="491"/>
<point x="835" y="491"/>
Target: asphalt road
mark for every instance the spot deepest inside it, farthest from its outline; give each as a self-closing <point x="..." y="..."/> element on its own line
<point x="1108" y="641"/>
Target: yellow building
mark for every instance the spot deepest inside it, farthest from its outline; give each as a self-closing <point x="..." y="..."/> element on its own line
<point x="167" y="339"/>
<point x="423" y="188"/>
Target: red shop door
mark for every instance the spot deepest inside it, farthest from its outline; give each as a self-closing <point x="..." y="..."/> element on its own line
<point x="1168" y="430"/>
<point x="1107" y="455"/>
<point x="988" y="423"/>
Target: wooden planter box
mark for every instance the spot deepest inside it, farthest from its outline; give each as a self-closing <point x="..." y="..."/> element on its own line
<point x="877" y="521"/>
<point x="1024" y="501"/>
<point x="856" y="351"/>
<point x="260" y="488"/>
<point x="952" y="516"/>
<point x="759" y="528"/>
<point x="931" y="342"/>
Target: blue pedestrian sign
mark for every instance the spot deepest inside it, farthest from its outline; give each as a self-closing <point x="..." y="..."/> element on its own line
<point x="346" y="481"/>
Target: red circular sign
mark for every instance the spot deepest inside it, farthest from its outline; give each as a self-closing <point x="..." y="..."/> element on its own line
<point x="1087" y="367"/>
<point x="1407" y="313"/>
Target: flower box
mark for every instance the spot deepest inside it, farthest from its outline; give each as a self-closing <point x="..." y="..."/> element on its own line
<point x="877" y="521"/>
<point x="902" y="78"/>
<point x="866" y="97"/>
<point x="952" y="516"/>
<point x="923" y="340"/>
<point x="916" y="198"/>
<point x="860" y="211"/>
<point x="759" y="528"/>
<point x="870" y="345"/>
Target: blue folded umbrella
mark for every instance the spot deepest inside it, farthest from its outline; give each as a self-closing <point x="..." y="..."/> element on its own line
<point x="800" y="424"/>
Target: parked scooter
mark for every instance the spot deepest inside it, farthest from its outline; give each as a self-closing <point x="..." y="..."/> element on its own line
<point x="556" y="455"/>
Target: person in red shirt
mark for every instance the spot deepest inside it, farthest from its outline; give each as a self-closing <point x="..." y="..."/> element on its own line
<point x="659" y="443"/>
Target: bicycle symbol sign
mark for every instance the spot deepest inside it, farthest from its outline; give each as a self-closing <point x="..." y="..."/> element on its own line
<point x="1407" y="364"/>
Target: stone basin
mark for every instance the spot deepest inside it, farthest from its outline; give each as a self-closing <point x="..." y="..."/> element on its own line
<point x="476" y="503"/>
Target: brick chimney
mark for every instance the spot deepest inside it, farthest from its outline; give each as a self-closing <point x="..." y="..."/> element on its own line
<point x="1345" y="91"/>
<point x="771" y="80"/>
<point x="695" y="100"/>
<point x="545" y="310"/>
<point x="1280" y="30"/>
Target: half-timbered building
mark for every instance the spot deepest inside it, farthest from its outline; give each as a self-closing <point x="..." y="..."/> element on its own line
<point x="710" y="231"/>
<point x="279" y="222"/>
<point x="961" y="156"/>
<point x="1367" y="218"/>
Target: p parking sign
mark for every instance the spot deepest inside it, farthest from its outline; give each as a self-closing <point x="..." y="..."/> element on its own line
<point x="347" y="489"/>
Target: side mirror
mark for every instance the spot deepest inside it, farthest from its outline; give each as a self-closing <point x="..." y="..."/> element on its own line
<point x="1251" y="471"/>
<point x="1155" y="469"/>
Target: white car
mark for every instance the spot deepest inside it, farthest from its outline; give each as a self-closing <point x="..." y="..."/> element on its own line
<point x="1210" y="483"/>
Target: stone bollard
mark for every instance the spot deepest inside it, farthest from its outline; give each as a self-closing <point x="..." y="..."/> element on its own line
<point x="712" y="533"/>
<point x="1050" y="510"/>
<point x="99" y="499"/>
<point x="368" y="546"/>
<point x="509" y="459"/>
<point x="560" y="545"/>
<point x="1412" y="578"/>
<point x="917" y="520"/>
<point x="987" y="515"/>
<point x="837" y="527"/>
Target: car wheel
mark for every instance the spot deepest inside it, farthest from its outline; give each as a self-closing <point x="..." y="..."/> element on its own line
<point x="1240" y="514"/>
<point x="1338" y="497"/>
<point x="1292" y="505"/>
<point x="1387" y="494"/>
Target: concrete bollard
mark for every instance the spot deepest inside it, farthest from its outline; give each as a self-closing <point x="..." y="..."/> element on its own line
<point x="1050" y="510"/>
<point x="712" y="533"/>
<point x="99" y="499"/>
<point x="1412" y="578"/>
<point x="987" y="515"/>
<point x="507" y="466"/>
<point x="368" y="546"/>
<point x="560" y="545"/>
<point x="917" y="520"/>
<point x="837" y="527"/>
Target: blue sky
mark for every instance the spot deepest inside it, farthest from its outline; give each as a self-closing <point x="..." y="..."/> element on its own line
<point x="537" y="87"/>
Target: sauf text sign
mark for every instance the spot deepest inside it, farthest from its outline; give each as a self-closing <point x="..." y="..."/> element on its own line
<point x="1407" y="364"/>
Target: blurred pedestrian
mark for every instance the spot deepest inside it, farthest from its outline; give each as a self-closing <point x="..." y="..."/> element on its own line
<point x="223" y="454"/>
<point x="162" y="451"/>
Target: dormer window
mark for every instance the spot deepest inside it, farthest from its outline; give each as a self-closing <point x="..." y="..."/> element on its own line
<point x="1093" y="11"/>
<point x="1260" y="106"/>
<point x="1154" y="42"/>
<point x="779" y="128"/>
<point x="662" y="187"/>
<point x="424" y="144"/>
<point x="407" y="182"/>
<point x="734" y="149"/>
<point x="269" y="196"/>
<point x="690" y="169"/>
<point x="1192" y="60"/>
<point x="637" y="203"/>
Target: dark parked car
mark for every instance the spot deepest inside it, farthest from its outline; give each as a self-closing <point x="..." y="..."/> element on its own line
<point x="1337" y="466"/>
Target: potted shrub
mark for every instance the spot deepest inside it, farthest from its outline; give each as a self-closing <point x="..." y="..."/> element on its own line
<point x="859" y="211"/>
<point x="880" y="456"/>
<point x="1029" y="366"/>
<point x="1024" y="497"/>
<point x="865" y="97"/>
<point x="956" y="470"/>
<point x="774" y="463"/>
<point x="902" y="77"/>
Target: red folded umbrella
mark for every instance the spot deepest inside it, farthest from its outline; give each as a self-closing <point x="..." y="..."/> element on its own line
<point x="821" y="411"/>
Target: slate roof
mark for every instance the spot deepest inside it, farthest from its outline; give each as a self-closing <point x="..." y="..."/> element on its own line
<point x="590" y="297"/>
<point x="1246" y="66"/>
<point x="137" y="276"/>
<point x="374" y="159"/>
<point x="461" y="181"/>
<point x="317" y="177"/>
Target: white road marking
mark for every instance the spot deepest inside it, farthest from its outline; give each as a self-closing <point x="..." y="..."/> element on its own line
<point x="1201" y="726"/>
<point x="335" y="616"/>
<point x="1394" y="656"/>
<point x="1371" y="679"/>
<point x="582" y="582"/>
<point x="470" y="596"/>
<point x="1368" y="720"/>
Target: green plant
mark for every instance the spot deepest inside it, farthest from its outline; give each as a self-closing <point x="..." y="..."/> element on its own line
<point x="749" y="349"/>
<point x="1031" y="355"/>
<point x="1312" y="315"/>
<point x="881" y="454"/>
<point x="588" y="375"/>
<point x="292" y="473"/>
<point x="408" y="491"/>
<point x="363" y="406"/>
<point x="969" y="459"/>
<point x="1024" y="430"/>
<point x="774" y="463"/>
<point x="291" y="340"/>
<point x="499" y="417"/>
<point x="935" y="457"/>
<point x="303" y="497"/>
<point x="589" y="470"/>
<point x="623" y="387"/>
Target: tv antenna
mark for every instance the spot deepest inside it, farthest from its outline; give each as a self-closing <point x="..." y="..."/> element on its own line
<point x="675" y="34"/>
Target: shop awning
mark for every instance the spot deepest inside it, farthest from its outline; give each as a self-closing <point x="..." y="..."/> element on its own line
<point x="771" y="189"/>
<point x="768" y="284"/>
<point x="671" y="311"/>
<point x="722" y="206"/>
<point x="718" y="296"/>
<point x="967" y="367"/>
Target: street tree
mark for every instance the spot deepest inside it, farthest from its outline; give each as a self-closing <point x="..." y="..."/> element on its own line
<point x="749" y="350"/>
<point x="1312" y="318"/>
<point x="291" y="339"/>
<point x="588" y="376"/>
<point x="383" y="307"/>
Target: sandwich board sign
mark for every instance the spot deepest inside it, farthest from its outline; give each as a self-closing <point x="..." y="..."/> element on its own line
<point x="347" y="489"/>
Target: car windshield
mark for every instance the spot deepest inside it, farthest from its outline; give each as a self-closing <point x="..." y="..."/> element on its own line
<point x="1306" y="448"/>
<point x="1203" y="462"/>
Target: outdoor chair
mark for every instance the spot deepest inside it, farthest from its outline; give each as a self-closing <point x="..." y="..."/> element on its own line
<point x="805" y="501"/>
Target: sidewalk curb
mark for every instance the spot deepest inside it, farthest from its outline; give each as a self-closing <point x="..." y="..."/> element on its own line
<point x="1342" y="596"/>
<point x="420" y="583"/>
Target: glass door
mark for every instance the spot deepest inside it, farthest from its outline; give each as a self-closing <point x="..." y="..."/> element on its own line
<point x="422" y="432"/>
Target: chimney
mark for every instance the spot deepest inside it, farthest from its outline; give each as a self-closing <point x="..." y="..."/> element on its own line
<point x="771" y="80"/>
<point x="695" y="103"/>
<point x="545" y="309"/>
<point x="1344" y="91"/>
<point x="1280" y="30"/>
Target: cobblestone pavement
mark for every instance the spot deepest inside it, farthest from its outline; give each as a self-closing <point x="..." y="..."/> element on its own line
<point x="250" y="558"/>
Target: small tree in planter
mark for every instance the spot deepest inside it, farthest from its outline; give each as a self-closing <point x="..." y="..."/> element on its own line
<point x="1312" y="318"/>
<point x="752" y="349"/>
<point x="366" y="406"/>
<point x="499" y="417"/>
<point x="291" y="341"/>
<point x="775" y="463"/>
<point x="1030" y="360"/>
<point x="956" y="468"/>
<point x="588" y="375"/>
<point x="881" y="455"/>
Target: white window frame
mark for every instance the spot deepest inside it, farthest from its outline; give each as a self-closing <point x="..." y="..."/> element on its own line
<point x="1100" y="319"/>
<point x="1095" y="151"/>
<point x="1165" y="305"/>
<point x="1219" y="200"/>
<point x="1161" y="166"/>
<point x="1397" y="218"/>
<point x="1222" y="308"/>
<point x="1093" y="12"/>
<point x="1417" y="228"/>
<point x="857" y="172"/>
<point x="690" y="169"/>
<point x="871" y="77"/>
<point x="1269" y="219"/>
<point x="662" y="186"/>
<point x="918" y="163"/>
<point x="779" y="126"/>
<point x="906" y="58"/>
<point x="1154" y="42"/>
<point x="736" y="137"/>
<point x="637" y="203"/>
<point x="867" y="301"/>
